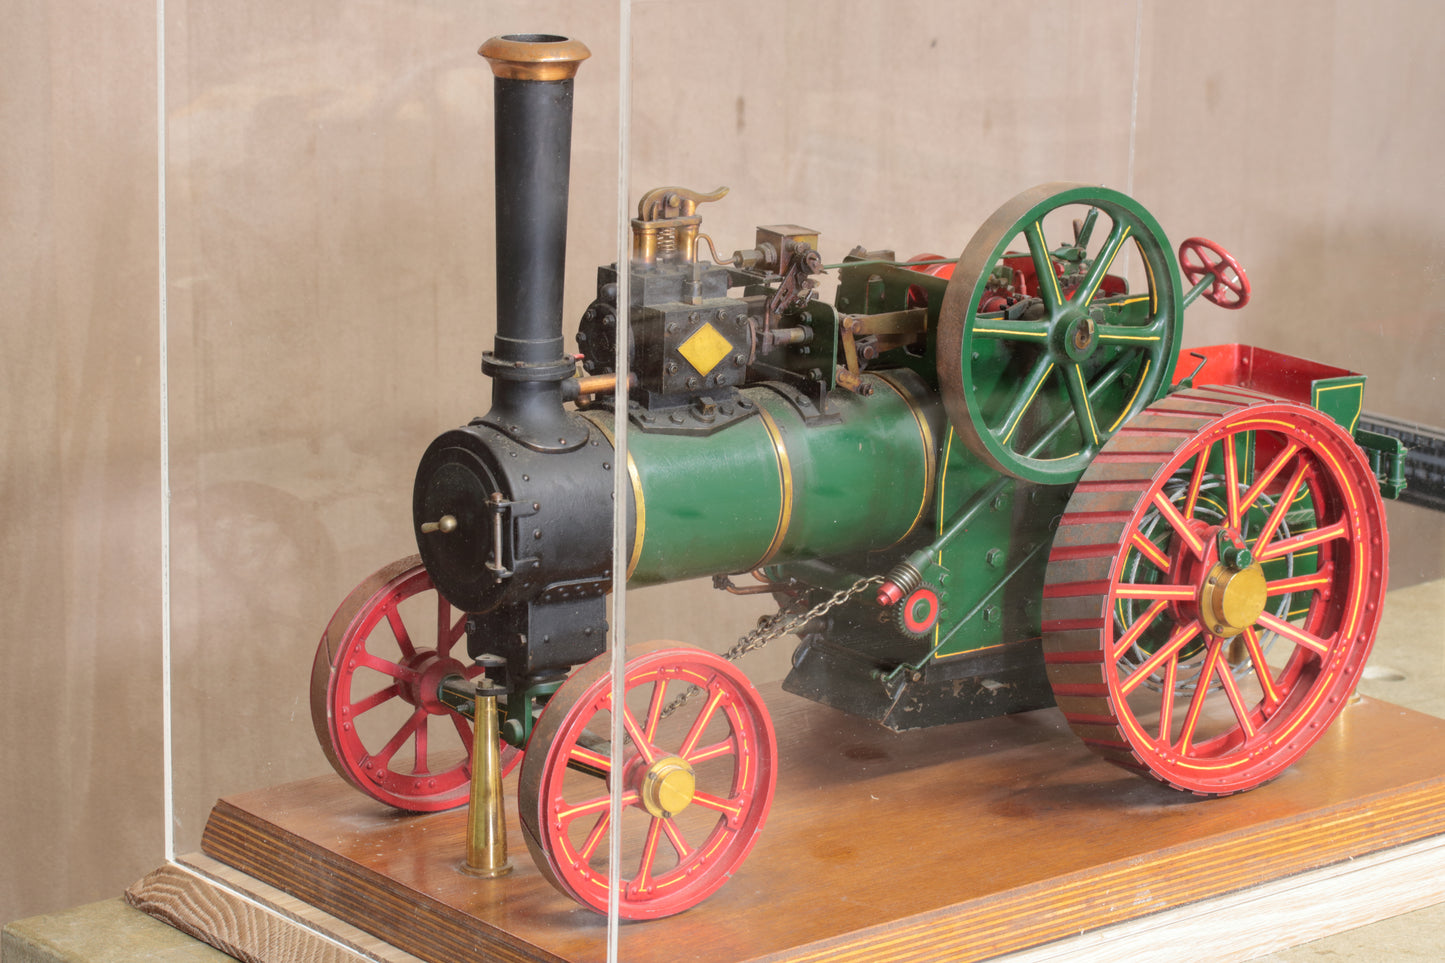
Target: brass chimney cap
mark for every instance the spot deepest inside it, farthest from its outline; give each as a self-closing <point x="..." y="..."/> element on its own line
<point x="534" y="56"/>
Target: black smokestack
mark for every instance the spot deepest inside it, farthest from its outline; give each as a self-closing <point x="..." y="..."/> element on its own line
<point x="533" y="96"/>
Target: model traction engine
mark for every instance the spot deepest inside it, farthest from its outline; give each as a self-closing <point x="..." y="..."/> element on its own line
<point x="974" y="486"/>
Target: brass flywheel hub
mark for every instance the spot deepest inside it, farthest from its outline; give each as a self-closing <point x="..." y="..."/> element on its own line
<point x="667" y="786"/>
<point x="1231" y="600"/>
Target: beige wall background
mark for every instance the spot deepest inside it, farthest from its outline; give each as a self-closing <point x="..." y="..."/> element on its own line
<point x="328" y="257"/>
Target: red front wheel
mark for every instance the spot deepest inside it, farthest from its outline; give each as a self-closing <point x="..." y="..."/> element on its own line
<point x="1214" y="589"/>
<point x="697" y="782"/>
<point x="374" y="688"/>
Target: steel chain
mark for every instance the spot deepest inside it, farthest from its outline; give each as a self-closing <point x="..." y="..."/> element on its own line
<point x="775" y="627"/>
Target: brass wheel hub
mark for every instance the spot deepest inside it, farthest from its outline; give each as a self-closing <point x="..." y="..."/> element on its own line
<point x="667" y="787"/>
<point x="1231" y="600"/>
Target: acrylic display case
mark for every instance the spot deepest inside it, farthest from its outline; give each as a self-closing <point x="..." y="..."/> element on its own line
<point x="899" y="775"/>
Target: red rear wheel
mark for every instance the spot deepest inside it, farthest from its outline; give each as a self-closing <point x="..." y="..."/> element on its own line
<point x="697" y="782"/>
<point x="1214" y="589"/>
<point x="374" y="692"/>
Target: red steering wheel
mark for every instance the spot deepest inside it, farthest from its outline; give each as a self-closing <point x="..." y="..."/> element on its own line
<point x="1200" y="256"/>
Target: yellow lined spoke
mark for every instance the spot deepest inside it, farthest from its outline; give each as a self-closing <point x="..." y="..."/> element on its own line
<point x="1261" y="667"/>
<point x="595" y="837"/>
<point x="1304" y="540"/>
<point x="1024" y="398"/>
<point x="689" y="745"/>
<point x="1166" y="653"/>
<point x="644" y="745"/>
<point x="715" y="751"/>
<point x="1281" y="508"/>
<point x="1166" y="701"/>
<point x="1003" y="329"/>
<point x="674" y="836"/>
<point x="716" y="803"/>
<point x="1177" y="522"/>
<point x="1141" y="624"/>
<point x="1295" y="634"/>
<point x="1084" y="293"/>
<point x="654" y="709"/>
<point x="1196" y="703"/>
<point x="1299" y="583"/>
<point x="1196" y="480"/>
<point x="649" y="853"/>
<point x="1149" y="550"/>
<point x="1268" y="476"/>
<point x="1139" y="336"/>
<point x="1083" y="409"/>
<point x="590" y="758"/>
<point x="1174" y="593"/>
<point x="1043" y="266"/>
<point x="1236" y="698"/>
<point x="1231" y="485"/>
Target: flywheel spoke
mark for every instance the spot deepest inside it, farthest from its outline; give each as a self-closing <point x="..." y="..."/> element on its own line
<point x="1043" y="266"/>
<point x="1103" y="260"/>
<point x="1130" y="335"/>
<point x="1024" y="398"/>
<point x="1005" y="329"/>
<point x="1083" y="408"/>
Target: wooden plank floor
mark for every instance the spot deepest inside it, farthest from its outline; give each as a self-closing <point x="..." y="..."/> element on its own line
<point x="955" y="843"/>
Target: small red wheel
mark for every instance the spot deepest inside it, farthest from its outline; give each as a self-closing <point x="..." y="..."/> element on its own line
<point x="1199" y="257"/>
<point x="1214" y="589"/>
<point x="697" y="782"/>
<point x="374" y="693"/>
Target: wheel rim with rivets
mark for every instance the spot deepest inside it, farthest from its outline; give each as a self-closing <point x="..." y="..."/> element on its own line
<point x="1214" y="589"/>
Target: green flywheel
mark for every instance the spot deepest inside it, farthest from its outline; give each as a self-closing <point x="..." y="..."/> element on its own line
<point x="1061" y="321"/>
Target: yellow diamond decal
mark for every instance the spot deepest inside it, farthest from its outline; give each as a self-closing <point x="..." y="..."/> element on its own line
<point x="705" y="348"/>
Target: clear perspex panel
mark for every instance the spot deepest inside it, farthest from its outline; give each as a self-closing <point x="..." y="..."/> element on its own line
<point x="890" y="289"/>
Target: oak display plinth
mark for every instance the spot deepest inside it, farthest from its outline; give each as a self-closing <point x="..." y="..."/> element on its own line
<point x="955" y="843"/>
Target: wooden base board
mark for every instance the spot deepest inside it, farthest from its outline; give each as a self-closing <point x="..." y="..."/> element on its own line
<point x="957" y="843"/>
